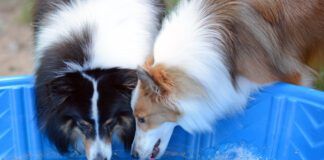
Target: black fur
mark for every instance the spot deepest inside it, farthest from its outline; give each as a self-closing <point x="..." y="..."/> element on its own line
<point x="68" y="99"/>
<point x="52" y="91"/>
<point x="63" y="96"/>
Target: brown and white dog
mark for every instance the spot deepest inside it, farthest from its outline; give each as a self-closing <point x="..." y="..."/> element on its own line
<point x="211" y="55"/>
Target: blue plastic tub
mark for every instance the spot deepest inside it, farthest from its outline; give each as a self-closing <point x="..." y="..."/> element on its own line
<point x="282" y="122"/>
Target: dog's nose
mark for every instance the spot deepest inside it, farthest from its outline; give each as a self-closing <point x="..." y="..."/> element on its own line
<point x="100" y="157"/>
<point x="135" y="154"/>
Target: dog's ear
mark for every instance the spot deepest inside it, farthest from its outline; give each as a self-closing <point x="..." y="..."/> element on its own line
<point x="130" y="79"/>
<point x="61" y="85"/>
<point x="127" y="132"/>
<point x="61" y="88"/>
<point x="147" y="80"/>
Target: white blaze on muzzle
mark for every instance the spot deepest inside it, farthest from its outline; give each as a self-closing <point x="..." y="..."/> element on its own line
<point x="98" y="149"/>
<point x="145" y="141"/>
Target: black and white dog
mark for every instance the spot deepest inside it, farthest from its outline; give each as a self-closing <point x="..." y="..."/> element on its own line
<point x="86" y="53"/>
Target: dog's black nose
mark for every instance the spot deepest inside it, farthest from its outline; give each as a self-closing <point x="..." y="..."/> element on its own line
<point x="100" y="157"/>
<point x="135" y="154"/>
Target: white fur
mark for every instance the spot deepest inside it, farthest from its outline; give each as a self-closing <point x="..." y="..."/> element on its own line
<point x="98" y="146"/>
<point x="135" y="96"/>
<point x="145" y="140"/>
<point x="94" y="101"/>
<point x="123" y="30"/>
<point x="187" y="41"/>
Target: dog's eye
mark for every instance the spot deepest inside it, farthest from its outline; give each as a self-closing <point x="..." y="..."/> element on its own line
<point x="110" y="124"/>
<point x="107" y="127"/>
<point x="141" y="120"/>
<point x="84" y="126"/>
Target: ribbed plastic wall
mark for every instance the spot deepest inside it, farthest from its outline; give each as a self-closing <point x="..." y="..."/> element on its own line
<point x="282" y="122"/>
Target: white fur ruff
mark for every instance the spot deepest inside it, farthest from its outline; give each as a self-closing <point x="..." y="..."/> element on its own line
<point x="187" y="41"/>
<point x="123" y="31"/>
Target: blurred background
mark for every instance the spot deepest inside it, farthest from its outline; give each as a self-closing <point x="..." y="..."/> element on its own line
<point x="16" y="55"/>
<point x="16" y="41"/>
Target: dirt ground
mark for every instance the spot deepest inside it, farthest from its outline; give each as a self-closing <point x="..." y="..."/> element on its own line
<point x="16" y="53"/>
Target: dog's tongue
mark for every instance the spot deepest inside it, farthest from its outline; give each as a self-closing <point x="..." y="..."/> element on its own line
<point x="156" y="150"/>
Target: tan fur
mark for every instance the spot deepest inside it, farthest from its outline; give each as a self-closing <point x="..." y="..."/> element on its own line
<point x="173" y="80"/>
<point x="77" y="133"/>
<point x="127" y="123"/>
<point x="66" y="127"/>
<point x="315" y="57"/>
<point x="273" y="44"/>
<point x="268" y="40"/>
<point x="154" y="109"/>
<point x="158" y="108"/>
<point x="87" y="144"/>
<point x="161" y="77"/>
<point x="108" y="121"/>
<point x="149" y="61"/>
